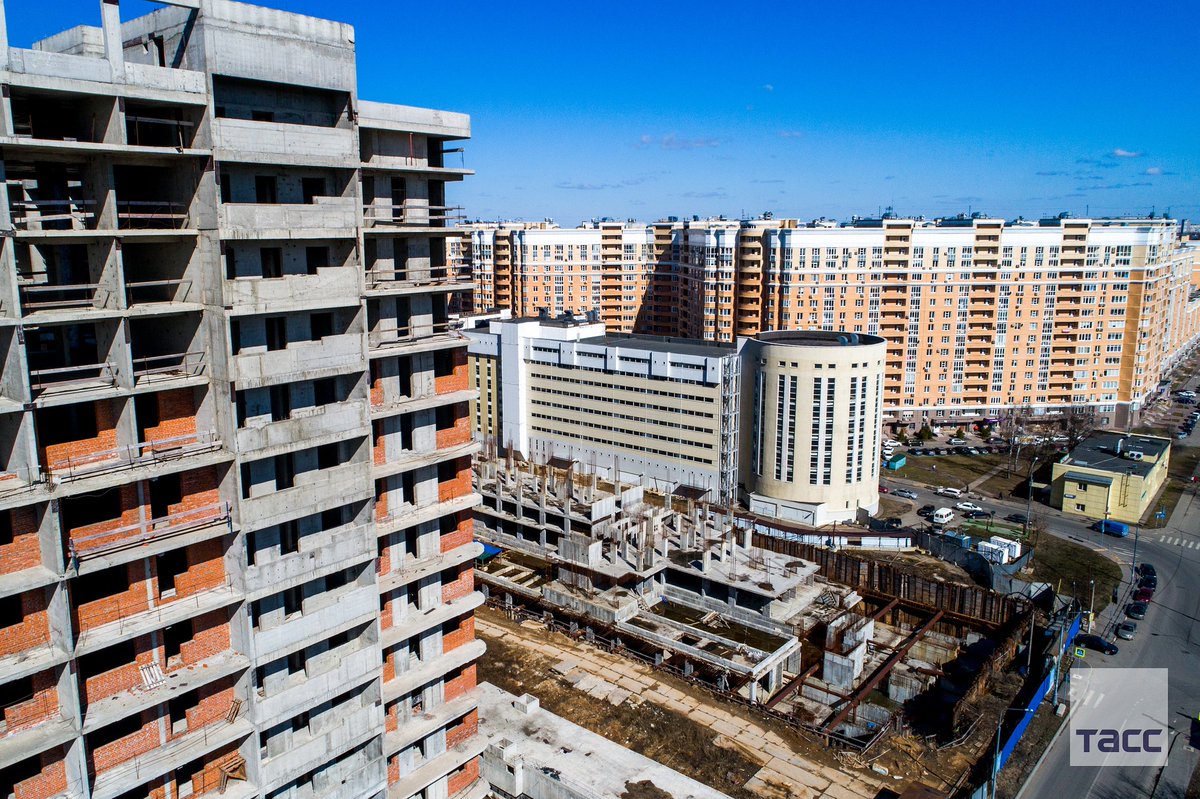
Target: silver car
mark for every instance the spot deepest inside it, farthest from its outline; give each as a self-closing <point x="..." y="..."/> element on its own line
<point x="1127" y="630"/>
<point x="904" y="492"/>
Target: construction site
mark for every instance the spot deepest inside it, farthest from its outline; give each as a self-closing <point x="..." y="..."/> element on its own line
<point x="832" y="644"/>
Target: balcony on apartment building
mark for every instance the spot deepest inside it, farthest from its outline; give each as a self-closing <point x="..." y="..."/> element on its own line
<point x="402" y="620"/>
<point x="320" y="734"/>
<point x="84" y="440"/>
<point x="110" y="528"/>
<point x="289" y="347"/>
<point x="301" y="554"/>
<point x="51" y="197"/>
<point x="381" y="216"/>
<point x="160" y="740"/>
<point x="64" y="280"/>
<point x="32" y="718"/>
<point x="287" y="416"/>
<point x="306" y="675"/>
<point x="137" y="674"/>
<point x="309" y="612"/>
<point x="27" y="645"/>
<point x="322" y="477"/>
<point x="410" y="324"/>
<point x="286" y="204"/>
<point x="72" y="358"/>
<point x="161" y="275"/>
<point x="427" y="771"/>
<point x="412" y="140"/>
<point x="409" y="719"/>
<point x="407" y="383"/>
<point x="421" y="438"/>
<point x="264" y="277"/>
<point x="168" y="350"/>
<point x="41" y="776"/>
<point x="415" y="275"/>
<point x="154" y="199"/>
<point x="136" y="598"/>
<point x="422" y="494"/>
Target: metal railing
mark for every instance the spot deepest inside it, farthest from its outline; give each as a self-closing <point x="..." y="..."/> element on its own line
<point x="164" y="367"/>
<point x="75" y="375"/>
<point x="151" y="215"/>
<point x="85" y="296"/>
<point x="158" y="132"/>
<point x="166" y="296"/>
<point x="382" y="278"/>
<point x="405" y="214"/>
<point x="130" y="535"/>
<point x="69" y="214"/>
<point x="144" y="453"/>
<point x="405" y="335"/>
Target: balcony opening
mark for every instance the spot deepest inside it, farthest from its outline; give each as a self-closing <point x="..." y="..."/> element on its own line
<point x="114" y="732"/>
<point x="60" y="276"/>
<point x="311" y="189"/>
<point x="16" y="692"/>
<point x="320" y="325"/>
<point x="167" y="347"/>
<point x="169" y="566"/>
<point x="177" y="710"/>
<point x="165" y="492"/>
<point x="281" y="402"/>
<point x="271" y="261"/>
<point x="153" y="198"/>
<point x="111" y="658"/>
<point x="293" y="601"/>
<point x="57" y="116"/>
<point x="12" y="776"/>
<point x="316" y="258"/>
<point x="263" y="101"/>
<point x="277" y="337"/>
<point x="50" y="196"/>
<point x="99" y="585"/>
<point x="266" y="189"/>
<point x="185" y="778"/>
<point x="69" y="356"/>
<point x="155" y="125"/>
<point x="86" y="515"/>
<point x="159" y="272"/>
<point x="289" y="537"/>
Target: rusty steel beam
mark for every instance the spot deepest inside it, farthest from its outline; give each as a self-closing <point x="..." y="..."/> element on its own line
<point x="793" y="686"/>
<point x="879" y="614"/>
<point x="880" y="673"/>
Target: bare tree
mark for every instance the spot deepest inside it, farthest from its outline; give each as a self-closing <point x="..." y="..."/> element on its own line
<point x="1079" y="424"/>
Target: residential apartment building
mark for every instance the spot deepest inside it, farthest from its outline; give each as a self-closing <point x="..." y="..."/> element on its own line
<point x="235" y="493"/>
<point x="654" y="411"/>
<point x="980" y="315"/>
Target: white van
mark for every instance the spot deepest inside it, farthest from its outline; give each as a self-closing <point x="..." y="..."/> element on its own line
<point x="942" y="516"/>
<point x="948" y="492"/>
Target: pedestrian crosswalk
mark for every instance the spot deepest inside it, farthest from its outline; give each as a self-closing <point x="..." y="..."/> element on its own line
<point x="1176" y="541"/>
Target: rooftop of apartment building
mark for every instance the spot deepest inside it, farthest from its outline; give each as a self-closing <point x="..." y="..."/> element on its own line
<point x="667" y="344"/>
<point x="1119" y="453"/>
<point x="818" y="338"/>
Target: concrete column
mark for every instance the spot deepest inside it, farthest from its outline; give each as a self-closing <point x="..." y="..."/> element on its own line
<point x="3" y="41"/>
<point x="110" y="13"/>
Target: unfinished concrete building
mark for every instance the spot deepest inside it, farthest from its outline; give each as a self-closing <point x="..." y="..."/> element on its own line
<point x="235" y="489"/>
<point x="822" y="639"/>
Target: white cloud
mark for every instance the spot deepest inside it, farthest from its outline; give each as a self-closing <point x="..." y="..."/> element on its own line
<point x="1154" y="170"/>
<point x="768" y="87"/>
<point x="1119" y="153"/>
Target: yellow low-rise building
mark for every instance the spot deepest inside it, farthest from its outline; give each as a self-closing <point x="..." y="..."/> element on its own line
<point x="1111" y="475"/>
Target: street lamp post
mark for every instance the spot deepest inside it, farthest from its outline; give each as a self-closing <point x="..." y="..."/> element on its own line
<point x="999" y="729"/>
<point x="1092" y="607"/>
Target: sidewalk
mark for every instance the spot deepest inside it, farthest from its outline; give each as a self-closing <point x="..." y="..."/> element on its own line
<point x="784" y="773"/>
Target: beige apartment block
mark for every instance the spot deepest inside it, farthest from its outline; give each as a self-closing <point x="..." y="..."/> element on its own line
<point x="980" y="315"/>
<point x="235" y="483"/>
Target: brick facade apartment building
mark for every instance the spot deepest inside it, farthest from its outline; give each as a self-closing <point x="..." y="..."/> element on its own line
<point x="980" y="315"/>
<point x="235" y="484"/>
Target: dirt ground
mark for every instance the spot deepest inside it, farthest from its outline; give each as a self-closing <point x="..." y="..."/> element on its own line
<point x="1033" y="744"/>
<point x="690" y="747"/>
<point x="670" y="738"/>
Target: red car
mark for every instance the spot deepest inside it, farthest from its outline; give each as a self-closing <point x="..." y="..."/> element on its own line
<point x="1144" y="595"/>
<point x="884" y="490"/>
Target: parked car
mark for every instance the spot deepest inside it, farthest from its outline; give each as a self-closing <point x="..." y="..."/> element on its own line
<point x="1182" y="434"/>
<point x="1146" y="569"/>
<point x="925" y="511"/>
<point x="942" y="516"/>
<point x="956" y="441"/>
<point x="972" y="451"/>
<point x="1127" y="630"/>
<point x="1016" y="518"/>
<point x="1108" y="526"/>
<point x="1097" y="643"/>
<point x="1143" y="595"/>
<point x="884" y="489"/>
<point x="906" y="493"/>
<point x="1136" y="610"/>
<point x="1149" y="581"/>
<point x="894" y="523"/>
<point x="977" y="514"/>
<point x="943" y="491"/>
<point x="966" y="506"/>
<point x="943" y="452"/>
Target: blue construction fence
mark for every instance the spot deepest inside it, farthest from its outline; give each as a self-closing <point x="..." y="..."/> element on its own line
<point x="1042" y="691"/>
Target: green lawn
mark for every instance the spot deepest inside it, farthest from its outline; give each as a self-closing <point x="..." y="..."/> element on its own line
<point x="951" y="471"/>
<point x="1059" y="562"/>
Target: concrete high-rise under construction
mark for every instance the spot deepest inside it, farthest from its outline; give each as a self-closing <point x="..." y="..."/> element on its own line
<point x="235" y="484"/>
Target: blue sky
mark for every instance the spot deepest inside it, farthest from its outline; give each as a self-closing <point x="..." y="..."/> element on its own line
<point x="804" y="109"/>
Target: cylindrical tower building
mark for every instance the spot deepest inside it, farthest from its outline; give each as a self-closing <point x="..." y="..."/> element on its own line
<point x="811" y="412"/>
